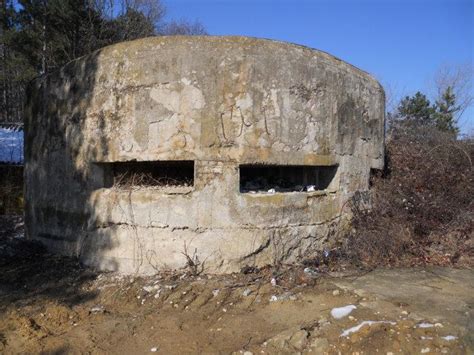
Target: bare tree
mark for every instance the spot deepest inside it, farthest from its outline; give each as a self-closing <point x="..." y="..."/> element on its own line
<point x="152" y="10"/>
<point x="459" y="78"/>
<point x="393" y="95"/>
<point x="42" y="35"/>
<point x="182" y="27"/>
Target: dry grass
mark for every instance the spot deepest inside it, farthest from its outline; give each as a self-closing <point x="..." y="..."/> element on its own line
<point x="142" y="180"/>
<point x="422" y="204"/>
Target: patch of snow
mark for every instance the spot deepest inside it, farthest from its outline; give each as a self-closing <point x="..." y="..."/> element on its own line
<point x="449" y="337"/>
<point x="273" y="298"/>
<point x="342" y="312"/>
<point x="346" y="332"/>
<point x="154" y="350"/>
<point x="271" y="191"/>
<point x="247" y="292"/>
<point x="273" y="281"/>
<point x="310" y="188"/>
<point x="151" y="288"/>
<point x="97" y="309"/>
<point x="215" y="292"/>
<point x="425" y="325"/>
<point x="425" y="350"/>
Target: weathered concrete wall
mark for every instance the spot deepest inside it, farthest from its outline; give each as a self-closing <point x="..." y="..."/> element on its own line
<point x="219" y="101"/>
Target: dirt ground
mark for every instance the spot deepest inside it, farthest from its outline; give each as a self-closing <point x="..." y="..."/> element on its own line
<point x="53" y="305"/>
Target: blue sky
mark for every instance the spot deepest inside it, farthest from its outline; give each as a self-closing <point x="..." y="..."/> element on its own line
<point x="401" y="42"/>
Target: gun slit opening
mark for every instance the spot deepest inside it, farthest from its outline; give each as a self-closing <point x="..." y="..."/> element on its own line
<point x="285" y="178"/>
<point x="148" y="173"/>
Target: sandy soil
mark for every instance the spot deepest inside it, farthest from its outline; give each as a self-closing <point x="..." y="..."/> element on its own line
<point x="51" y="304"/>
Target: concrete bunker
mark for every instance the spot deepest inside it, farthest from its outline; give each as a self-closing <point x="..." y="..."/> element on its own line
<point x="242" y="150"/>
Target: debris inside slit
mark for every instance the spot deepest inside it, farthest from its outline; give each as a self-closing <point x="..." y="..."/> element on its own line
<point x="264" y="186"/>
<point x="270" y="179"/>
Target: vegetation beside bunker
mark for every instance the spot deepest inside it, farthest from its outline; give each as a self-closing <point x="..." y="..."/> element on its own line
<point x="422" y="203"/>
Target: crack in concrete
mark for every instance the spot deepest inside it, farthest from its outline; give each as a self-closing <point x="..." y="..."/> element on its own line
<point x="261" y="248"/>
<point x="204" y="229"/>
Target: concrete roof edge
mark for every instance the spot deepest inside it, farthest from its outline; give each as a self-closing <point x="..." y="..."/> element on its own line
<point x="230" y="37"/>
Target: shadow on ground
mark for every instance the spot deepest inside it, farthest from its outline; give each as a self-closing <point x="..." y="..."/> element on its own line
<point x="28" y="273"/>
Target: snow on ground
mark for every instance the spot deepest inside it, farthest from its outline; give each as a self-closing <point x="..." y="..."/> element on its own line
<point x="429" y="325"/>
<point x="449" y="337"/>
<point x="342" y="312"/>
<point x="346" y="332"/>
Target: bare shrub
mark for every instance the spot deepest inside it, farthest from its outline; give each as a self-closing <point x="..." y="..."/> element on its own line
<point x="193" y="264"/>
<point x="183" y="28"/>
<point x="422" y="203"/>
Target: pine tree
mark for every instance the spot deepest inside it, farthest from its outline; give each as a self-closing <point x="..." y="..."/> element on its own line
<point x="416" y="109"/>
<point x="131" y="25"/>
<point x="446" y="109"/>
<point x="38" y="36"/>
<point x="15" y="69"/>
